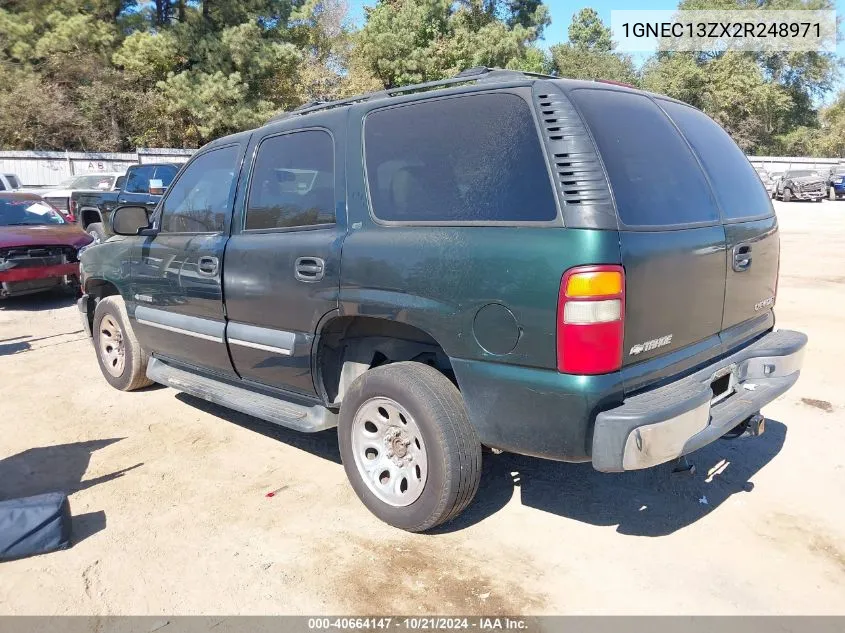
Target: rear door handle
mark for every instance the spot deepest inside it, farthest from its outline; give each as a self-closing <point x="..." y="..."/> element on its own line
<point x="742" y="257"/>
<point x="207" y="265"/>
<point x="309" y="269"/>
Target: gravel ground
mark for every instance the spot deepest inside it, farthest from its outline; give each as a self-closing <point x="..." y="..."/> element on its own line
<point x="171" y="514"/>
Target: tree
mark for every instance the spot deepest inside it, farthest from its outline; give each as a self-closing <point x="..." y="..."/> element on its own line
<point x="413" y="41"/>
<point x="765" y="100"/>
<point x="589" y="52"/>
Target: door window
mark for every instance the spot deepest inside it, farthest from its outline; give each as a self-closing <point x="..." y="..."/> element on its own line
<point x="202" y="197"/>
<point x="292" y="182"/>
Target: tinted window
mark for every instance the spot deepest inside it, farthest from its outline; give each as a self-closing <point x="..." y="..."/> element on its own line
<point x="292" y="182"/>
<point x="203" y="195"/>
<point x="737" y="190"/>
<point x="138" y="179"/>
<point x="2" y="186"/>
<point x="13" y="181"/>
<point x="475" y="158"/>
<point x="655" y="178"/>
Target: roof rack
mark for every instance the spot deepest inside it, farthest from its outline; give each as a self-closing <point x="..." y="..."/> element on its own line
<point x="477" y="73"/>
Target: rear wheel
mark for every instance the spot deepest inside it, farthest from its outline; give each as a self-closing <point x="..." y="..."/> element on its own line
<point x="407" y="446"/>
<point x="122" y="361"/>
<point x="787" y="194"/>
<point x="97" y="231"/>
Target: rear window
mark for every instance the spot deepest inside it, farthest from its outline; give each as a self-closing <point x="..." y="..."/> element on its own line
<point x="468" y="159"/>
<point x="735" y="183"/>
<point x="655" y="178"/>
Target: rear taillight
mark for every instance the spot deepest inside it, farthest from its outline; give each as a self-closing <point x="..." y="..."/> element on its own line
<point x="591" y="319"/>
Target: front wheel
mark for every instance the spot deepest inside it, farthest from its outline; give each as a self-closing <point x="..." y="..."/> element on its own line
<point x="787" y="195"/>
<point x="122" y="361"/>
<point x="408" y="447"/>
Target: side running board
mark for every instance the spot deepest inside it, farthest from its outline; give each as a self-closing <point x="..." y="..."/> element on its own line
<point x="308" y="419"/>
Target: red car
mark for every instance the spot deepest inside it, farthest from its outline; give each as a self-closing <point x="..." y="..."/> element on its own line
<point x="38" y="247"/>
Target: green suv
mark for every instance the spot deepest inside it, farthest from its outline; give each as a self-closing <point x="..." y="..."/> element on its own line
<point x="574" y="270"/>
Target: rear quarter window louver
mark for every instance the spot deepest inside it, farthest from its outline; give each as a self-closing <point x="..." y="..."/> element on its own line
<point x="580" y="181"/>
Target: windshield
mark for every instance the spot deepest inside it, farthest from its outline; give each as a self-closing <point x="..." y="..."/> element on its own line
<point x="802" y="172"/>
<point x="91" y="181"/>
<point x="28" y="212"/>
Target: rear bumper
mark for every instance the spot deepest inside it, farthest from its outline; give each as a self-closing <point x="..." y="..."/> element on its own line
<point x="662" y="424"/>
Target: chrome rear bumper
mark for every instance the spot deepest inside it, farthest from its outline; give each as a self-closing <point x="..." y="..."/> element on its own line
<point x="662" y="424"/>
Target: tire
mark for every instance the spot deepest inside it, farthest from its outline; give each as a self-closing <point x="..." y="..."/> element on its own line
<point x="125" y="366"/>
<point x="787" y="194"/>
<point x="443" y="480"/>
<point x="97" y="231"/>
<point x="831" y="194"/>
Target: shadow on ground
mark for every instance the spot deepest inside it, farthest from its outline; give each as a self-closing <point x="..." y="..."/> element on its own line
<point x="322" y="444"/>
<point x="59" y="468"/>
<point x="49" y="300"/>
<point x="20" y="344"/>
<point x="652" y="502"/>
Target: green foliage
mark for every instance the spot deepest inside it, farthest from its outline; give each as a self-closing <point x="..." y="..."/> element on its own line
<point x="413" y="41"/>
<point x="589" y="52"/>
<point x="766" y="101"/>
<point x="116" y="74"/>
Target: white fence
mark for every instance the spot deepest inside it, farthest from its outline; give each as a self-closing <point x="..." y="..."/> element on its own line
<point x="40" y="169"/>
<point x="782" y="163"/>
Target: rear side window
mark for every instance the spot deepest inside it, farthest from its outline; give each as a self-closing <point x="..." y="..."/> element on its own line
<point x="655" y="178"/>
<point x="467" y="159"/>
<point x="292" y="182"/>
<point x="735" y="183"/>
<point x="13" y="181"/>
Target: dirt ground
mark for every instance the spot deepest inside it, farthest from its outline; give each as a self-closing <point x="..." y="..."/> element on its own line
<point x="171" y="514"/>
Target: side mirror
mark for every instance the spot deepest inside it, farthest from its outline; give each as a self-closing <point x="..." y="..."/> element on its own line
<point x="129" y="220"/>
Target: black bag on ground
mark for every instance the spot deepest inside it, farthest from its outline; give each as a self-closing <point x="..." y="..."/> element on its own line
<point x="34" y="525"/>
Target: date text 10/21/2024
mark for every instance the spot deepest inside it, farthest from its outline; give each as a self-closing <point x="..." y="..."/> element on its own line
<point x="480" y="623"/>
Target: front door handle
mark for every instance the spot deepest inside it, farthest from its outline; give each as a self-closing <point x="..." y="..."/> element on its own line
<point x="309" y="269"/>
<point x="207" y="265"/>
<point x="742" y="257"/>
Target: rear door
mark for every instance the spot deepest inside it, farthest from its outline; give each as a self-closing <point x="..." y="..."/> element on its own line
<point x="672" y="241"/>
<point x="283" y="259"/>
<point x="751" y="231"/>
